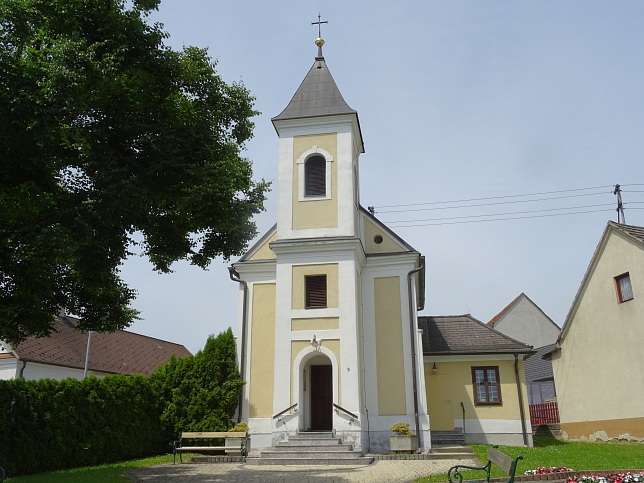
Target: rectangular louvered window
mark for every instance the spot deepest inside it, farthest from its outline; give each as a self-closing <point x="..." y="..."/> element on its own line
<point x="315" y="176"/>
<point x="487" y="385"/>
<point x="315" y="286"/>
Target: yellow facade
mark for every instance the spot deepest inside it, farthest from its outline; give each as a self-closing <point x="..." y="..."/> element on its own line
<point x="264" y="252"/>
<point x="321" y="213"/>
<point x="454" y="385"/>
<point x="386" y="243"/>
<point x="332" y="287"/>
<point x="262" y="355"/>
<point x="390" y="364"/>
<point x="599" y="341"/>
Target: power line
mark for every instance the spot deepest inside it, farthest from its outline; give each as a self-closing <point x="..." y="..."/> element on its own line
<point x="503" y="219"/>
<point x="483" y="204"/>
<point x="501" y="197"/>
<point x="502" y="214"/>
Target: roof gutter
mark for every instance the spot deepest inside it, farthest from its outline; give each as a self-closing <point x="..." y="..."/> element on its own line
<point x="413" y="336"/>
<point x="234" y="276"/>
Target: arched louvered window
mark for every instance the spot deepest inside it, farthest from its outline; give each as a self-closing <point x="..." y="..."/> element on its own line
<point x="315" y="176"/>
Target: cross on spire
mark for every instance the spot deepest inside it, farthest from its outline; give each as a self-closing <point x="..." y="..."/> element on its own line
<point x="319" y="24"/>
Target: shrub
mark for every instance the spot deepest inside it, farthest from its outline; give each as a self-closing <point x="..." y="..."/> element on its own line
<point x="401" y="428"/>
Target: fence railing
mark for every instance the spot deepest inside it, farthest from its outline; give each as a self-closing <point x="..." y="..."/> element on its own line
<point x="546" y="413"/>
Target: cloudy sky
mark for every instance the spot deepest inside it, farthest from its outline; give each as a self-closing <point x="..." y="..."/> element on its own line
<point x="524" y="112"/>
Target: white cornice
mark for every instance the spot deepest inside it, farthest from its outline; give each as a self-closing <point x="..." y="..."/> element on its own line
<point x="253" y="270"/>
<point x="338" y="248"/>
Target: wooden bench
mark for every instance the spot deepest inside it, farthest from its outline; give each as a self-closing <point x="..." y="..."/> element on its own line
<point x="507" y="464"/>
<point x="236" y="442"/>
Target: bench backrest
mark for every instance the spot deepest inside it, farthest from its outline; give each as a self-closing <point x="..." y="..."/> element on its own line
<point x="212" y="434"/>
<point x="503" y="461"/>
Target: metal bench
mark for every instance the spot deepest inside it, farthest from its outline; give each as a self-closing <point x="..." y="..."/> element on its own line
<point x="494" y="456"/>
<point x="236" y="441"/>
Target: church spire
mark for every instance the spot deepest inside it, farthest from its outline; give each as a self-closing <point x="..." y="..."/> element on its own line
<point x="319" y="41"/>
<point x="318" y="94"/>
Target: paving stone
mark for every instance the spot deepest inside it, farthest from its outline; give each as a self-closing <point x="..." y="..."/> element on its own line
<point x="399" y="471"/>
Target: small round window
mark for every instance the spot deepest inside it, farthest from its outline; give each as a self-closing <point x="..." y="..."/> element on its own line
<point x="377" y="239"/>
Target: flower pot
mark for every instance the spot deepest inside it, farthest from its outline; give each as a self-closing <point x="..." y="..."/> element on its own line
<point x="234" y="444"/>
<point x="408" y="443"/>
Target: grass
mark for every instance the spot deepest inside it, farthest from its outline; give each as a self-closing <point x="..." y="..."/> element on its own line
<point x="549" y="452"/>
<point x="109" y="473"/>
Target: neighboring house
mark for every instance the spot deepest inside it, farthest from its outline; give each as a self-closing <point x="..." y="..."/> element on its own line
<point x="598" y="365"/>
<point x="329" y="336"/>
<point x="63" y="354"/>
<point x="539" y="376"/>
<point x="475" y="381"/>
<point x="523" y="320"/>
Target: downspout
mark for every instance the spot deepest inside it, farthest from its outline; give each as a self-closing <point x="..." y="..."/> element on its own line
<point x="412" y="334"/>
<point x="521" y="408"/>
<point x="234" y="276"/>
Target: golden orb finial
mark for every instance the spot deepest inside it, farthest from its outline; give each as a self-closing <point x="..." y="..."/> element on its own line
<point x="319" y="42"/>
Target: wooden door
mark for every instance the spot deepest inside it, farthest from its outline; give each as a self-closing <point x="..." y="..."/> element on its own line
<point x="439" y="401"/>
<point x="321" y="398"/>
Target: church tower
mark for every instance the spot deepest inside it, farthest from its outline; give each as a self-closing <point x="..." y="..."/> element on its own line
<point x="329" y="296"/>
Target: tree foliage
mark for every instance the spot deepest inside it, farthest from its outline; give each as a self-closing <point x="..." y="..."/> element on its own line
<point x="105" y="132"/>
<point x="201" y="392"/>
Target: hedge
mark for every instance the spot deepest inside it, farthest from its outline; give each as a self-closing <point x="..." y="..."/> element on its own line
<point x="48" y="424"/>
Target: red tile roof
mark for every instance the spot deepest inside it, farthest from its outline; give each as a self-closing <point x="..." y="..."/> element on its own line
<point x="119" y="352"/>
<point x="497" y="316"/>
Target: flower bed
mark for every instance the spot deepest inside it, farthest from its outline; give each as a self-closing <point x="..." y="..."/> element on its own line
<point x="612" y="478"/>
<point x="566" y="475"/>
<point x="544" y="471"/>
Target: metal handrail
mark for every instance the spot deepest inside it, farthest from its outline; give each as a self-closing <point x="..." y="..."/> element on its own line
<point x="463" y="408"/>
<point x="340" y="408"/>
<point x="285" y="411"/>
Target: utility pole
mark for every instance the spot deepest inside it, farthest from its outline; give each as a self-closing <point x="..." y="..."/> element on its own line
<point x="620" y="205"/>
<point x="89" y="343"/>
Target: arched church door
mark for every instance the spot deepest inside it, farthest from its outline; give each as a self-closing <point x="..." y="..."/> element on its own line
<point x="321" y="398"/>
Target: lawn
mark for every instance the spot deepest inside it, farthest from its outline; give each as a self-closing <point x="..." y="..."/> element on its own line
<point x="549" y="452"/>
<point x="96" y="474"/>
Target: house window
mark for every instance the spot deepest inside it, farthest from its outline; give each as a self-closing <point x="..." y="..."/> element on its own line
<point x="487" y="386"/>
<point x="315" y="176"/>
<point x="624" y="288"/>
<point x="315" y="288"/>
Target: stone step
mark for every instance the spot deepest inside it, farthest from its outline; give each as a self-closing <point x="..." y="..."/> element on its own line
<point x="344" y="454"/>
<point x="313" y="435"/>
<point x="310" y="442"/>
<point x="286" y="446"/>
<point x="360" y="460"/>
<point x="447" y="437"/>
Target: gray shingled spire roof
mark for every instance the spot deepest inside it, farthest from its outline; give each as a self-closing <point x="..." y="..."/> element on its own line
<point x="318" y="95"/>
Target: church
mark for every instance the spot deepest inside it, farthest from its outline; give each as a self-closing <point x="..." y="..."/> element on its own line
<point x="329" y="335"/>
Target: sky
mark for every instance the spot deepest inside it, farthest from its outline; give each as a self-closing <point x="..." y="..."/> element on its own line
<point x="461" y="104"/>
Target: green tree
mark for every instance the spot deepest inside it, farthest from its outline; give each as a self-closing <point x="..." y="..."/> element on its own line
<point x="105" y="132"/>
<point x="201" y="393"/>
